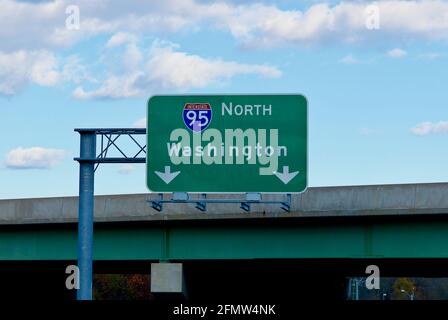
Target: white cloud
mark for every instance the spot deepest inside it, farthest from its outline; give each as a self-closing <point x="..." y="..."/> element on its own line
<point x="166" y="68"/>
<point x="113" y="87"/>
<point x="33" y="158"/>
<point x="426" y="128"/>
<point x="31" y="31"/>
<point x="120" y="38"/>
<point x="261" y="25"/>
<point x="72" y="69"/>
<point x="397" y="53"/>
<point x="175" y="69"/>
<point x="137" y="73"/>
<point x="36" y="25"/>
<point x="126" y="168"/>
<point x="140" y="123"/>
<point x="40" y="67"/>
<point x="28" y="25"/>
<point x="19" y="68"/>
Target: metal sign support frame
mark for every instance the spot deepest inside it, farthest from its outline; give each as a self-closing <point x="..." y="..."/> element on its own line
<point x="88" y="163"/>
<point x="201" y="202"/>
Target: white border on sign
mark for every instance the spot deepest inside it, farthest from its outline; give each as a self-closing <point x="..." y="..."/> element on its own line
<point x="231" y="94"/>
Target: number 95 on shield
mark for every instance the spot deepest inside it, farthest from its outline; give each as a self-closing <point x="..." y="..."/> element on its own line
<point x="197" y="116"/>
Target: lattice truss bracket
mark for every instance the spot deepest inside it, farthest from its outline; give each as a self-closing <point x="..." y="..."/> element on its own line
<point x="108" y="140"/>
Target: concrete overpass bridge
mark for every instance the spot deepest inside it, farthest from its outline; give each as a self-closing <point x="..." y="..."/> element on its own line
<point x="331" y="233"/>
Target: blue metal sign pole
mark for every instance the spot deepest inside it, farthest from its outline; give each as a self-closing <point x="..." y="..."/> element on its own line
<point x="85" y="217"/>
<point x="88" y="163"/>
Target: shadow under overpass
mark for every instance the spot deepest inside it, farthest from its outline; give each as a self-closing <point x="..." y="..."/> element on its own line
<point x="222" y="281"/>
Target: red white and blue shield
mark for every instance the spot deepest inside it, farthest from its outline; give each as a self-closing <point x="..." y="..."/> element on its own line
<point x="197" y="116"/>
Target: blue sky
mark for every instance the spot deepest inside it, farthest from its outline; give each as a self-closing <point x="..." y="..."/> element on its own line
<point x="378" y="98"/>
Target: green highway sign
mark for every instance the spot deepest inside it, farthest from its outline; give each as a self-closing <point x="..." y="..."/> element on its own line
<point x="227" y="143"/>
